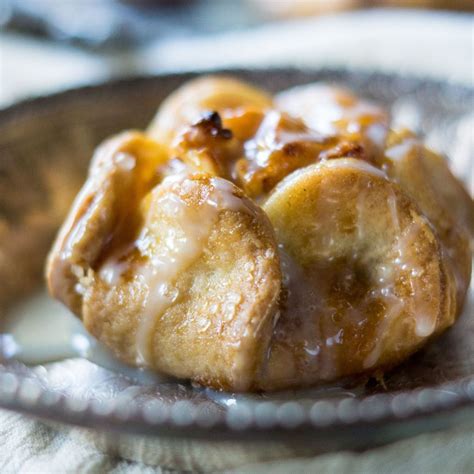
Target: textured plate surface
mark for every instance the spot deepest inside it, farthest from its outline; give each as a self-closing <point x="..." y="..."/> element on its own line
<point x="45" y="145"/>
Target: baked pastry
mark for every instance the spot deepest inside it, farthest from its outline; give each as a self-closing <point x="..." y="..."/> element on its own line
<point x="366" y="282"/>
<point x="251" y="243"/>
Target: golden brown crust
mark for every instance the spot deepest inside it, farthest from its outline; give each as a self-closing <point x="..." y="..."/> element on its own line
<point x="370" y="264"/>
<point x="425" y="177"/>
<point x="122" y="170"/>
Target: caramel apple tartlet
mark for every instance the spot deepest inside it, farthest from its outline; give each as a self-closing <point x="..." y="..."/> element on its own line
<point x="252" y="242"/>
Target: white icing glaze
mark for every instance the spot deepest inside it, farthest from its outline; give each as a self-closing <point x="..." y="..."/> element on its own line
<point x="399" y="151"/>
<point x="384" y="290"/>
<point x="392" y="206"/>
<point x="395" y="306"/>
<point x="112" y="270"/>
<point x="316" y="103"/>
<point x="347" y="163"/>
<point x="377" y="134"/>
<point x="224" y="197"/>
<point x="78" y="229"/>
<point x="321" y="333"/>
<point x="351" y="163"/>
<point x="125" y="161"/>
<point x="425" y="315"/>
<point x="271" y="136"/>
<point x="304" y="300"/>
<point x="102" y="165"/>
<point x="326" y="108"/>
<point x="360" y="211"/>
<point x="183" y="244"/>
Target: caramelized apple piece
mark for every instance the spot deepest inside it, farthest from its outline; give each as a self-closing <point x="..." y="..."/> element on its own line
<point x="207" y="146"/>
<point x="281" y="145"/>
<point x="187" y="104"/>
<point x="256" y="149"/>
<point x="332" y="110"/>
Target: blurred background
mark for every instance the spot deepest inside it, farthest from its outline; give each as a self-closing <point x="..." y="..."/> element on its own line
<point x="46" y="45"/>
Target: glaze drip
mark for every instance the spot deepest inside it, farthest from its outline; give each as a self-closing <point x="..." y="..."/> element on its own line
<point x="182" y="243"/>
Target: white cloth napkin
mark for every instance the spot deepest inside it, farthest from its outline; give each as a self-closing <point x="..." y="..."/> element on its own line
<point x="29" y="446"/>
